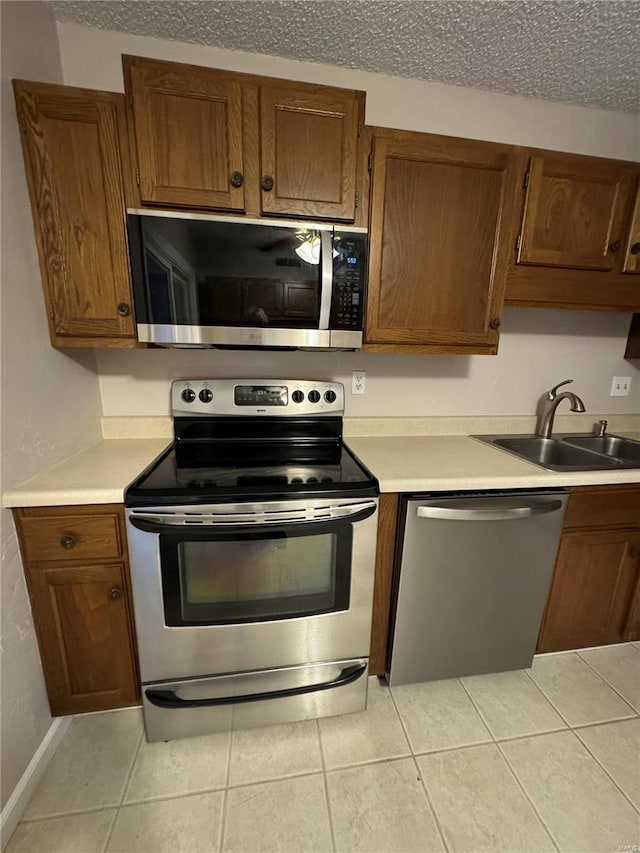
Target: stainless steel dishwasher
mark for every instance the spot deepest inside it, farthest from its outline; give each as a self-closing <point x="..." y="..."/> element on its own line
<point x="474" y="577"/>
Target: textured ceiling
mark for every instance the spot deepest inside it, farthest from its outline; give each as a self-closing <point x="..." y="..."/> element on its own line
<point x="574" y="52"/>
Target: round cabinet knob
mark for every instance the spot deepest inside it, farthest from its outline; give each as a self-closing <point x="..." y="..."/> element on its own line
<point x="236" y="179"/>
<point x="635" y="551"/>
<point x="188" y="395"/>
<point x="330" y="396"/>
<point x="314" y="396"/>
<point x="297" y="396"/>
<point x="635" y="249"/>
<point x="206" y="395"/>
<point x="267" y="183"/>
<point x="115" y="593"/>
<point x="68" y="541"/>
<point x="613" y="247"/>
<point x="495" y="323"/>
<point x="123" y="309"/>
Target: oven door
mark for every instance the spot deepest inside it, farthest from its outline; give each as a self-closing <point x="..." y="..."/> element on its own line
<point x="244" y="587"/>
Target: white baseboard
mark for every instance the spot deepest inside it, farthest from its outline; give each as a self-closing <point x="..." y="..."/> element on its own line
<point x="22" y="793"/>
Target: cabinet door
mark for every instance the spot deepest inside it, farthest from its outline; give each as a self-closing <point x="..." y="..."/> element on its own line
<point x="82" y="621"/>
<point x="188" y="127"/>
<point x="309" y="140"/>
<point x="441" y="230"/>
<point x="70" y="141"/>
<point x="632" y="249"/>
<point x="574" y="212"/>
<point x="591" y="593"/>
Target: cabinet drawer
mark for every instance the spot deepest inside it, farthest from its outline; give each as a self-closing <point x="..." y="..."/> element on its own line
<point x="71" y="537"/>
<point x="604" y="507"/>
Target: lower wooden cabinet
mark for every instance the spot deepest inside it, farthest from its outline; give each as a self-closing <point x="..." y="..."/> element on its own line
<point x="81" y="604"/>
<point x="595" y="594"/>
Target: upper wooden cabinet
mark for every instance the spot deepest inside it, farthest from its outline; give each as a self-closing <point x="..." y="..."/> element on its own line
<point x="71" y="143"/>
<point x="441" y="236"/>
<point x="574" y="212"/>
<point x="210" y="139"/>
<point x="632" y="248"/>
<point x="577" y="235"/>
<point x="308" y="143"/>
<point x="188" y="128"/>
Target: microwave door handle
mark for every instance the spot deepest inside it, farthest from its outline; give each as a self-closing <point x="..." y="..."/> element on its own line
<point x="169" y="698"/>
<point x="326" y="278"/>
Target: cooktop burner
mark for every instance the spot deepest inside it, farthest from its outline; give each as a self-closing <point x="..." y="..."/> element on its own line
<point x="248" y="440"/>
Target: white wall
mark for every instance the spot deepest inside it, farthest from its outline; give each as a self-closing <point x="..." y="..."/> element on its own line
<point x="537" y="348"/>
<point x="50" y="401"/>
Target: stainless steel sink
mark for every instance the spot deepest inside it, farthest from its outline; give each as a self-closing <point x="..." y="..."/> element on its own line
<point x="567" y="453"/>
<point x="611" y="445"/>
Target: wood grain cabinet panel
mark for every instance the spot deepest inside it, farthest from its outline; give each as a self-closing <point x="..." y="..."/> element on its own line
<point x="577" y="233"/>
<point x="82" y="623"/>
<point x="574" y="212"/>
<point x="189" y="134"/>
<point x="591" y="596"/>
<point x="632" y="249"/>
<point x="309" y="141"/>
<point x="71" y="140"/>
<point x="385" y="555"/>
<point x="441" y="228"/>
<point x="81" y="602"/>
<point x="595" y="593"/>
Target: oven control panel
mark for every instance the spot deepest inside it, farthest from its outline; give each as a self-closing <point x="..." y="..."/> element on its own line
<point x="226" y="397"/>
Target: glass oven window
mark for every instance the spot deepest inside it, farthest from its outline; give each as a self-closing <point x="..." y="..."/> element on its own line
<point x="255" y="577"/>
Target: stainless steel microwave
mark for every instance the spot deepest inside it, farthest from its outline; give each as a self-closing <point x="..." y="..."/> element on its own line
<point x="206" y="281"/>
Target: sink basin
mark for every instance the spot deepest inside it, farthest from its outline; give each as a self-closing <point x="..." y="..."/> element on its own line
<point x="611" y="445"/>
<point x="555" y="455"/>
<point x="569" y="454"/>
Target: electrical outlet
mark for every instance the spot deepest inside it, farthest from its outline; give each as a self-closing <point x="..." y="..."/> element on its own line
<point x="358" y="378"/>
<point x="620" y="386"/>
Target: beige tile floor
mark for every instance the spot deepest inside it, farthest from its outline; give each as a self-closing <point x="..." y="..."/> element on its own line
<point x="522" y="762"/>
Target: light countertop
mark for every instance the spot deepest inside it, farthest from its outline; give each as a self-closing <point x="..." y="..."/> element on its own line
<point x="97" y="475"/>
<point x="401" y="463"/>
<point x="453" y="462"/>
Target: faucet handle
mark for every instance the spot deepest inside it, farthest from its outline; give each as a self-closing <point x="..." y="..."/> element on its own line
<point x="551" y="395"/>
<point x="600" y="429"/>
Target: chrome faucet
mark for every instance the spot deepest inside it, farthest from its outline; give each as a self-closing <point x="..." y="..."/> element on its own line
<point x="548" y="404"/>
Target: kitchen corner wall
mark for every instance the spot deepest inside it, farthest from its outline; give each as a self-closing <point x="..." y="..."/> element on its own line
<point x="50" y="400"/>
<point x="538" y="347"/>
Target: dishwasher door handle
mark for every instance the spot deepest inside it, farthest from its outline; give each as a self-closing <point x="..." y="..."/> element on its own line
<point x="452" y="513"/>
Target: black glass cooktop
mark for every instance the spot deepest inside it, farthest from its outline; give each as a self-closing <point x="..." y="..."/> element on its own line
<point x="214" y="471"/>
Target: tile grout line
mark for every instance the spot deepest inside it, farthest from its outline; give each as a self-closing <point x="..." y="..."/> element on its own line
<point x="608" y="683"/>
<point x="125" y="788"/>
<point x="548" y="698"/>
<point x="477" y="709"/>
<point x="225" y="794"/>
<point x="423" y="784"/>
<point x="326" y="785"/>
<point x="582" y="725"/>
<point x="496" y="743"/>
<point x="610" y="775"/>
<point x="526" y="794"/>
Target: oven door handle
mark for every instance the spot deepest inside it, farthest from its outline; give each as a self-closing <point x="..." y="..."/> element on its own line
<point x="169" y="698"/>
<point x="153" y="522"/>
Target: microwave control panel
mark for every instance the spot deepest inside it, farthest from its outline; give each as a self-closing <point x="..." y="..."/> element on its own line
<point x="349" y="272"/>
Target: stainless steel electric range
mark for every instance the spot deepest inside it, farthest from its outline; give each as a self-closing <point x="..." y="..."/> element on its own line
<point x="252" y="544"/>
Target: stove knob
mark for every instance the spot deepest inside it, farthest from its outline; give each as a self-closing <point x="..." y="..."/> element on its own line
<point x="297" y="396"/>
<point x="330" y="396"/>
<point x="206" y="395"/>
<point x="314" y="396"/>
<point x="188" y="395"/>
